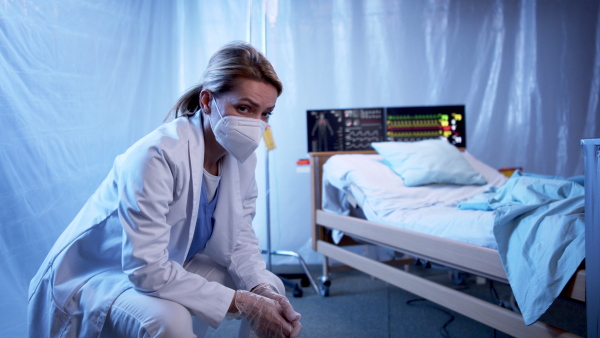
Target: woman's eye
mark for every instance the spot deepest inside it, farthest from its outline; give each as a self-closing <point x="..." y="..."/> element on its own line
<point x="243" y="109"/>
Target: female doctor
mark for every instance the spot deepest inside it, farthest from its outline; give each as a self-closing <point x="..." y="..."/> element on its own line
<point x="168" y="234"/>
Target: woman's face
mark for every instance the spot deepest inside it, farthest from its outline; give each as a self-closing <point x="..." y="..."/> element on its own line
<point x="248" y="98"/>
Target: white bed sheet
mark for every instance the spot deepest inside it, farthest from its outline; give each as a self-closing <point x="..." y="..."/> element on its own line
<point x="533" y="222"/>
<point x="430" y="209"/>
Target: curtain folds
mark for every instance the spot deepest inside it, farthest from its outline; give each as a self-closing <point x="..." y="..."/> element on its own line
<point x="527" y="72"/>
<point x="83" y="80"/>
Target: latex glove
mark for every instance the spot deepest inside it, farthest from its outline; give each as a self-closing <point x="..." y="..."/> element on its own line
<point x="292" y="316"/>
<point x="263" y="314"/>
<point x="267" y="290"/>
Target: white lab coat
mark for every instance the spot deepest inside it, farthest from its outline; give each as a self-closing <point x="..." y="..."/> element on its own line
<point x="135" y="232"/>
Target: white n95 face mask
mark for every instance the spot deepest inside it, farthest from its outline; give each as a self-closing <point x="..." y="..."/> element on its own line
<point x="240" y="136"/>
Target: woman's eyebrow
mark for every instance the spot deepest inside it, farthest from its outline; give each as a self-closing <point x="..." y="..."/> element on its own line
<point x="249" y="102"/>
<point x="255" y="105"/>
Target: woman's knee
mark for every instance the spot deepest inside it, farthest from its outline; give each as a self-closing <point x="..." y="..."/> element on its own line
<point x="206" y="267"/>
<point x="136" y="315"/>
<point x="279" y="285"/>
<point x="174" y="322"/>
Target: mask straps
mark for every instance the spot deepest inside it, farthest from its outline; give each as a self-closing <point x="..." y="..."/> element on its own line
<point x="216" y="105"/>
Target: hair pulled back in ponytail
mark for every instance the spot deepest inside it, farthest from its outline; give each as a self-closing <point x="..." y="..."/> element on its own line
<point x="236" y="59"/>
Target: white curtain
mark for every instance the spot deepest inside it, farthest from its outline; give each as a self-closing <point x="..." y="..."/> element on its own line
<point x="82" y="80"/>
<point x="528" y="73"/>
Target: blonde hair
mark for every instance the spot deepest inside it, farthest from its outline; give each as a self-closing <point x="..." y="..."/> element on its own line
<point x="235" y="60"/>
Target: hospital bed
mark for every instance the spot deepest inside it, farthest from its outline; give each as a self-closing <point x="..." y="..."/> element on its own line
<point x="339" y="220"/>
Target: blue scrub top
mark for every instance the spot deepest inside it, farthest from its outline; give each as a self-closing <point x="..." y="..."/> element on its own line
<point x="204" y="223"/>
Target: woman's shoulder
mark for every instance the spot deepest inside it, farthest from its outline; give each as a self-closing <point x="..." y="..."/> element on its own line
<point x="169" y="140"/>
<point x="173" y="134"/>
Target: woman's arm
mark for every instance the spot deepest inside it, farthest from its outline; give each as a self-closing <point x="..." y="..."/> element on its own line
<point x="146" y="197"/>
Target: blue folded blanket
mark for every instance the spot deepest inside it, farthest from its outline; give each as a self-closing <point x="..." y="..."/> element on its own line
<point x="540" y="230"/>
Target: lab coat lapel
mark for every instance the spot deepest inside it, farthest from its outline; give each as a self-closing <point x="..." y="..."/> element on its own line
<point x="196" y="154"/>
<point x="228" y="213"/>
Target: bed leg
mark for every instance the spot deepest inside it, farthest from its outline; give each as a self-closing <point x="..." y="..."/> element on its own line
<point x="325" y="282"/>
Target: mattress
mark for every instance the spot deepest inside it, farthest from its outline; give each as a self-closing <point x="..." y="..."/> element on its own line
<point x="366" y="181"/>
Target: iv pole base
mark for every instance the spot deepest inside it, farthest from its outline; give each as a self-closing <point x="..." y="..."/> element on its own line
<point x="287" y="282"/>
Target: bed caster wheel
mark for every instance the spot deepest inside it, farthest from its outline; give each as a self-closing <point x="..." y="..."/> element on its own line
<point x="304" y="282"/>
<point x="420" y="262"/>
<point x="297" y="293"/>
<point x="324" y="288"/>
<point x="458" y="278"/>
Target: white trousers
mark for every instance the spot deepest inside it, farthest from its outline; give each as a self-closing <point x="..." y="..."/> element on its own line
<point x="137" y="315"/>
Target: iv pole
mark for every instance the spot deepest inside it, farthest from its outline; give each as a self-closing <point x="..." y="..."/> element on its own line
<point x="270" y="145"/>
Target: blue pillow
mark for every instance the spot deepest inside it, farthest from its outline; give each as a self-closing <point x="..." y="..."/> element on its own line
<point x="425" y="162"/>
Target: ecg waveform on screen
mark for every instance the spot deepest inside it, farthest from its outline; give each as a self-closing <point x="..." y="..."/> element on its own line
<point x="359" y="145"/>
<point x="419" y="123"/>
<point x="362" y="126"/>
<point x="419" y="126"/>
<point x="418" y="134"/>
<point x="363" y="134"/>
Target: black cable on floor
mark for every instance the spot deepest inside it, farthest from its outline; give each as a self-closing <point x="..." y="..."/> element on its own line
<point x="443" y="331"/>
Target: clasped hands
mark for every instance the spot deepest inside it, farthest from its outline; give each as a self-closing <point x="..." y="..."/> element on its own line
<point x="269" y="313"/>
